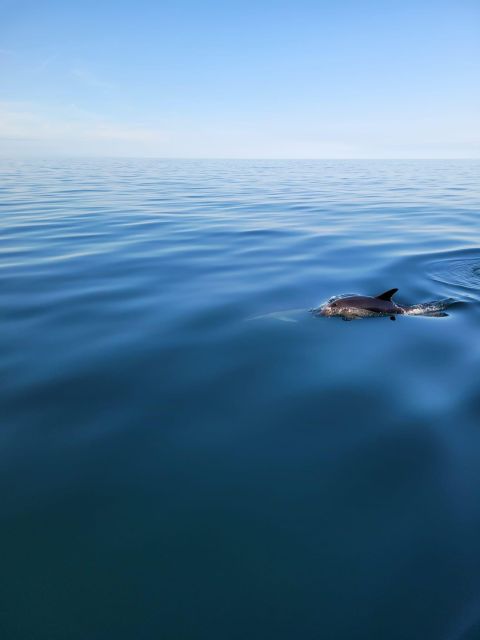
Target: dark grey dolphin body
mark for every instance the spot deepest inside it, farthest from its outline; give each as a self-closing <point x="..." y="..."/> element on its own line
<point x="351" y="307"/>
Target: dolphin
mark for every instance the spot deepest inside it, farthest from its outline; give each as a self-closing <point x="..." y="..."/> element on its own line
<point x="352" y="307"/>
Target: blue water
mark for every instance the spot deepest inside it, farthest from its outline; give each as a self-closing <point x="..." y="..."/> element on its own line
<point x="186" y="452"/>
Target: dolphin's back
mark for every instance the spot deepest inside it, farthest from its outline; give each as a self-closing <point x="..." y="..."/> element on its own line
<point x="369" y="303"/>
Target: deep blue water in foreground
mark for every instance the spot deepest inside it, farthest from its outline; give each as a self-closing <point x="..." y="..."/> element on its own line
<point x="172" y="468"/>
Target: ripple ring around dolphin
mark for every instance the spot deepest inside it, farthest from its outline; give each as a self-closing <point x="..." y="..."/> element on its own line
<point x="460" y="271"/>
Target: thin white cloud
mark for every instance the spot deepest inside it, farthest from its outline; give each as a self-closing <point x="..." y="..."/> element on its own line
<point x="47" y="61"/>
<point x="7" y="53"/>
<point x="90" y="79"/>
<point x="25" y="60"/>
<point x="25" y="126"/>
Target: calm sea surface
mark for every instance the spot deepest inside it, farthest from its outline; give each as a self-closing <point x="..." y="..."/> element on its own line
<point x="186" y="453"/>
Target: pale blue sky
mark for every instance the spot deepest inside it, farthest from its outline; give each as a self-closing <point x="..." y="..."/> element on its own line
<point x="262" y="79"/>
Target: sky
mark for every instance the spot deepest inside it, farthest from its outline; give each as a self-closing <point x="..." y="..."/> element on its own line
<point x="240" y="79"/>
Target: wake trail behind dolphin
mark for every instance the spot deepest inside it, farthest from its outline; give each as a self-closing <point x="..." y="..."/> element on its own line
<point x="289" y="315"/>
<point x="435" y="308"/>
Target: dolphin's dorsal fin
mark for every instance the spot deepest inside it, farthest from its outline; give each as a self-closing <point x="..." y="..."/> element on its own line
<point x="388" y="295"/>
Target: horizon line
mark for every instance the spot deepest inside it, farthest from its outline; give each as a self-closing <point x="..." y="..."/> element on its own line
<point x="223" y="158"/>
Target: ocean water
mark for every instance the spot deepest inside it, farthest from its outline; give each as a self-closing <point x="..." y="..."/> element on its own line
<point x="187" y="453"/>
